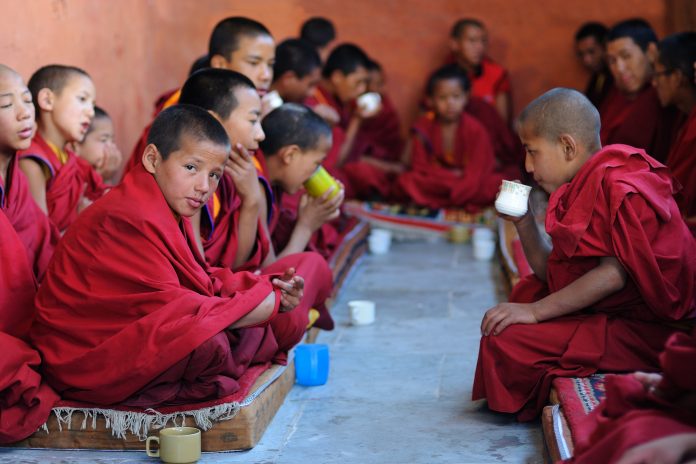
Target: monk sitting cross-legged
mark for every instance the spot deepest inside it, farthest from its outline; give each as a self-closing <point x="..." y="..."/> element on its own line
<point x="621" y="269"/>
<point x="128" y="313"/>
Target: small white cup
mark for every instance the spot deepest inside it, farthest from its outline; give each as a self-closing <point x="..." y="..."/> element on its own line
<point x="482" y="233"/>
<point x="273" y="100"/>
<point x="513" y="198"/>
<point x="379" y="241"/>
<point x="369" y="102"/>
<point x="484" y="250"/>
<point x="362" y="312"/>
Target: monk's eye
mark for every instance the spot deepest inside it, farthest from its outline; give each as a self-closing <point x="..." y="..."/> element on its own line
<point x="215" y="175"/>
<point x="6" y="105"/>
<point x="190" y="167"/>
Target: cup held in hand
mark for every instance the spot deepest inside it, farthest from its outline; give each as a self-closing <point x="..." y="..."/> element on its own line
<point x="369" y="103"/>
<point x="513" y="198"/>
<point x="320" y="182"/>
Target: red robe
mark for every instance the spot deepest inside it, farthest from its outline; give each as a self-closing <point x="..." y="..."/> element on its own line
<point x="631" y="416"/>
<point x="619" y="204"/>
<point x="220" y="250"/>
<point x="379" y="137"/>
<point x="640" y="122"/>
<point x="682" y="162"/>
<point x="25" y="401"/>
<point x="31" y="224"/>
<point x="431" y="181"/>
<point x="161" y="320"/>
<point x="68" y="183"/>
<point x="164" y="101"/>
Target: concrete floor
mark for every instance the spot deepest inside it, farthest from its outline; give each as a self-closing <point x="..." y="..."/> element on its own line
<point x="398" y="390"/>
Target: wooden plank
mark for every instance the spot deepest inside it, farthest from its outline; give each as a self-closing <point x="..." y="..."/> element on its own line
<point x="241" y="432"/>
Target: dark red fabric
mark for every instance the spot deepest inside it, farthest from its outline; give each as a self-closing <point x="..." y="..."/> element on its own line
<point x="509" y="153"/>
<point x="69" y="182"/>
<point x="432" y="182"/>
<point x="490" y="81"/>
<point x="682" y="162"/>
<point x="125" y="299"/>
<point x="619" y="204"/>
<point x="34" y="229"/>
<point x="220" y="233"/>
<point x="25" y="401"/>
<point x="631" y="416"/>
<point x="640" y="122"/>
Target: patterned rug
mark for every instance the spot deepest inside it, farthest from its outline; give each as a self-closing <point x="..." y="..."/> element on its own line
<point x="579" y="396"/>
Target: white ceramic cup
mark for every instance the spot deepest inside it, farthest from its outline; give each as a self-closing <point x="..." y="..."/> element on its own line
<point x="273" y="100"/>
<point x="482" y="233"/>
<point x="513" y="198"/>
<point x="369" y="102"/>
<point x="484" y="250"/>
<point x="379" y="241"/>
<point x="362" y="312"/>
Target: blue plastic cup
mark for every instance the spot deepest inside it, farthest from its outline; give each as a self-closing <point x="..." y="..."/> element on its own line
<point x="311" y="364"/>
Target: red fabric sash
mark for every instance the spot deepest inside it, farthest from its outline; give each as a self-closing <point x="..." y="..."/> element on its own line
<point x="682" y="162"/>
<point x="220" y="240"/>
<point x="640" y="122"/>
<point x="432" y="181"/>
<point x="34" y="229"/>
<point x="620" y="204"/>
<point x="125" y="298"/>
<point x="69" y="182"/>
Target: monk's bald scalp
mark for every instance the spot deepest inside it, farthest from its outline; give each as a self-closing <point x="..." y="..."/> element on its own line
<point x="563" y="111"/>
<point x="4" y="69"/>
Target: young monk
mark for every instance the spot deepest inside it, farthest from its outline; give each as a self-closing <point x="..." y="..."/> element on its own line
<point x="319" y="33"/>
<point x="61" y="183"/>
<point x="16" y="131"/>
<point x="674" y="81"/>
<point x="238" y="44"/>
<point x="98" y="147"/>
<point x="631" y="113"/>
<point x="489" y="80"/>
<point x="646" y="418"/>
<point x="167" y="331"/>
<point x="234" y="221"/>
<point x="25" y="400"/>
<point x="591" y="51"/>
<point x="621" y="269"/>
<point x="375" y="156"/>
<point x="296" y="71"/>
<point x="451" y="155"/>
<point x="296" y="143"/>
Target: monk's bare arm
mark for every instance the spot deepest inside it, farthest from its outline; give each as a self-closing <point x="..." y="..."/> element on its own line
<point x="503" y="105"/>
<point x="351" y="133"/>
<point x="607" y="278"/>
<point x="536" y="250"/>
<point x="247" y="231"/>
<point x="37" y="182"/>
<point x="257" y="315"/>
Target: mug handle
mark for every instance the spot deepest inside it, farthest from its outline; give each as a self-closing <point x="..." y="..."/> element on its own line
<point x="152" y="454"/>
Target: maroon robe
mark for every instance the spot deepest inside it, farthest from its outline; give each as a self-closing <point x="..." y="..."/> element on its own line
<point x="25" y="400"/>
<point x="161" y="332"/>
<point x="432" y="180"/>
<point x="618" y="204"/>
<point x="31" y="224"/>
<point x="682" y="162"/>
<point x="631" y="416"/>
<point x="68" y="182"/>
<point x="640" y="122"/>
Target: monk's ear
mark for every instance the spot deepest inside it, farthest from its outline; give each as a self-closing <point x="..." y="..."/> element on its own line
<point x="569" y="146"/>
<point x="652" y="52"/>
<point x="219" y="61"/>
<point x="288" y="154"/>
<point x="151" y="158"/>
<point x="45" y="99"/>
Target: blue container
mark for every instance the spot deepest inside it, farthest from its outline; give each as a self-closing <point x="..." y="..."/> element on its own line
<point x="311" y="364"/>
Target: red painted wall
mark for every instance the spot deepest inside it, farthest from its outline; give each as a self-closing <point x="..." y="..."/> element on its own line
<point x="136" y="49"/>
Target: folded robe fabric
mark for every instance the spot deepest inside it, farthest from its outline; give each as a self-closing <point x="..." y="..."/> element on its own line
<point x="631" y="415"/>
<point x="68" y="182"/>
<point x="125" y="299"/>
<point x="432" y="180"/>
<point x="33" y="228"/>
<point x="619" y="204"/>
<point x="25" y="400"/>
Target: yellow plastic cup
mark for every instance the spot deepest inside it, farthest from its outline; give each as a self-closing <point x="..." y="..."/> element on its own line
<point x="320" y="182"/>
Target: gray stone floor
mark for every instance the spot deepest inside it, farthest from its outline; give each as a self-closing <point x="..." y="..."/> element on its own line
<point x="399" y="390"/>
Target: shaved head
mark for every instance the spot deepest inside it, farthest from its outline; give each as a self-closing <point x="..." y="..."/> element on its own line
<point x="7" y="70"/>
<point x="563" y="111"/>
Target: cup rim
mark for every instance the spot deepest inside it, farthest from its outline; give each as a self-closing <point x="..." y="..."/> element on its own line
<point x="169" y="431"/>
